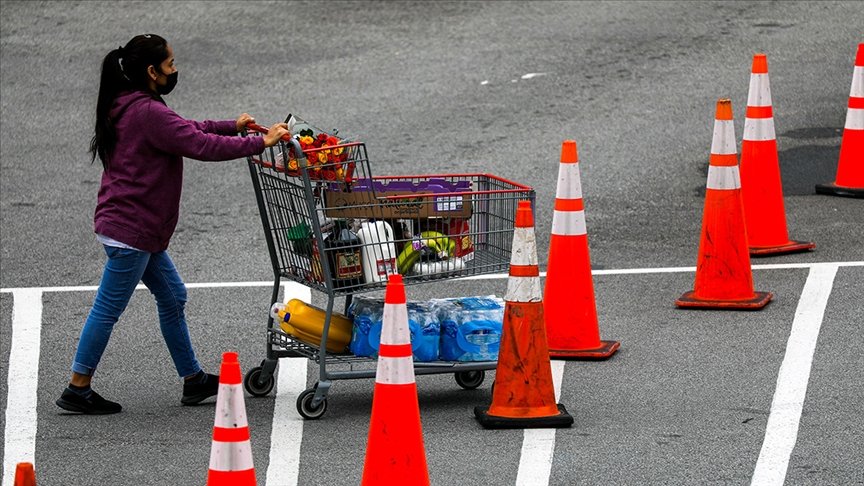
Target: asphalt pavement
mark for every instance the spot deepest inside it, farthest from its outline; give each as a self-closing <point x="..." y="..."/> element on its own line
<point x="447" y="87"/>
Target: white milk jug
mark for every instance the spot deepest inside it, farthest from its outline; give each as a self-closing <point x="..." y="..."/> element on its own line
<point x="379" y="251"/>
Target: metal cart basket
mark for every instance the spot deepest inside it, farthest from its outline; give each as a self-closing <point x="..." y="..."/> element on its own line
<point x="330" y="225"/>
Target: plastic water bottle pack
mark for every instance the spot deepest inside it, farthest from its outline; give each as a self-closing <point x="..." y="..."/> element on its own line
<point x="368" y="316"/>
<point x="456" y="329"/>
<point x="470" y="327"/>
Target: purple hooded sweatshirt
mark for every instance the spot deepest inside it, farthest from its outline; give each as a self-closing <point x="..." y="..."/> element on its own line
<point x="139" y="197"/>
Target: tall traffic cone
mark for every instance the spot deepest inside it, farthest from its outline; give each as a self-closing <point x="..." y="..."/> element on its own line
<point x="231" y="451"/>
<point x="761" y="188"/>
<point x="724" y="279"/>
<point x="25" y="475"/>
<point x="394" y="449"/>
<point x="523" y="395"/>
<point x="568" y="299"/>
<point x="850" y="169"/>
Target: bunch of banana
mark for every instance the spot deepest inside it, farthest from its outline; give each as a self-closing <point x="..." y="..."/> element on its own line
<point x="438" y="243"/>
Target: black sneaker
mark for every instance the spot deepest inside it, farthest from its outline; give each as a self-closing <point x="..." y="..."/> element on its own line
<point x="92" y="404"/>
<point x="197" y="391"/>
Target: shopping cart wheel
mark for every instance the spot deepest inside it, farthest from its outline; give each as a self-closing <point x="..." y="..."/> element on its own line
<point x="305" y="408"/>
<point x="255" y="386"/>
<point x="469" y="380"/>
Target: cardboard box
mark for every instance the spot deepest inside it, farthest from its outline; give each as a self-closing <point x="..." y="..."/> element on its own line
<point x="421" y="204"/>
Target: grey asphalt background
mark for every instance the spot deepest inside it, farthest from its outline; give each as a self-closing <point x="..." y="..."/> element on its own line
<point x="686" y="399"/>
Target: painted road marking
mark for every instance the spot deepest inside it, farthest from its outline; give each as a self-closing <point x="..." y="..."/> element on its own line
<point x="287" y="431"/>
<point x="538" y="445"/>
<point x="19" y="444"/>
<point x="781" y="432"/>
<point x="489" y="276"/>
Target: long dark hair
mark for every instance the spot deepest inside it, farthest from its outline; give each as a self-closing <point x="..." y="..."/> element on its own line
<point x="123" y="69"/>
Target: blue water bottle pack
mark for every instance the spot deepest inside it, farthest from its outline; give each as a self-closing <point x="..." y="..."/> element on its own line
<point x="368" y="317"/>
<point x="470" y="327"/>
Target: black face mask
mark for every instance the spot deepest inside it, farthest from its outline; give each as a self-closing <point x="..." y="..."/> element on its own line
<point x="169" y="86"/>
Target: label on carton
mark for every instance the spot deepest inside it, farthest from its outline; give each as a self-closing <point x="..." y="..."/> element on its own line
<point x="448" y="203"/>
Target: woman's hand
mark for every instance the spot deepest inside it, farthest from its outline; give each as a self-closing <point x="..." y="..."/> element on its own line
<point x="243" y="120"/>
<point x="275" y="133"/>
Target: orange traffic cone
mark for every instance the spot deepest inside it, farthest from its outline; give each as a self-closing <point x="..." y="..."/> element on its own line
<point x="231" y="451"/>
<point x="761" y="189"/>
<point x="568" y="299"/>
<point x="850" y="170"/>
<point x="724" y="279"/>
<point x="394" y="449"/>
<point x="24" y="474"/>
<point x="523" y="395"/>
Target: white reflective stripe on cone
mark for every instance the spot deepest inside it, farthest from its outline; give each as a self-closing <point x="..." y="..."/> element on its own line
<point x="230" y="409"/>
<point x="569" y="184"/>
<point x="231" y="456"/>
<point x="395" y="371"/>
<point x="760" y="90"/>
<point x="857" y="90"/>
<point x="523" y="289"/>
<point x="524" y="247"/>
<point x="723" y="177"/>
<point x="723" y="142"/>
<point x="854" y="119"/>
<point x="759" y="129"/>
<point x="569" y="223"/>
<point x="397" y="332"/>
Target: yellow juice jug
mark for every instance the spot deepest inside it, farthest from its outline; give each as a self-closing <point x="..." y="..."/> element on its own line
<point x="306" y="323"/>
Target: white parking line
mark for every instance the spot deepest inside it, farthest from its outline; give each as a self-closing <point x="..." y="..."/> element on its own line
<point x="19" y="444"/>
<point x="489" y="276"/>
<point x="538" y="445"/>
<point x="781" y="432"/>
<point x="287" y="432"/>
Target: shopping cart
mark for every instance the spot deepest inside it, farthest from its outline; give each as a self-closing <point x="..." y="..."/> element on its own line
<point x="334" y="227"/>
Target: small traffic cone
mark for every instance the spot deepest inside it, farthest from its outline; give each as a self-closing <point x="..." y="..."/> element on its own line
<point x="523" y="395"/>
<point x="568" y="299"/>
<point x="761" y="188"/>
<point x="231" y="451"/>
<point x="25" y="475"/>
<point x="850" y="169"/>
<point x="724" y="279"/>
<point x="394" y="449"/>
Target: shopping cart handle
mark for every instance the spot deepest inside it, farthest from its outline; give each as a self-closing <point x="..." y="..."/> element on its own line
<point x="258" y="128"/>
<point x="298" y="150"/>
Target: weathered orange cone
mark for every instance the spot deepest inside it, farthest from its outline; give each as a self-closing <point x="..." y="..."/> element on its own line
<point x="523" y="395"/>
<point x="394" y="450"/>
<point x="724" y="279"/>
<point x="568" y="299"/>
<point x="231" y="450"/>
<point x="850" y="170"/>
<point x="761" y="187"/>
<point x="25" y="475"/>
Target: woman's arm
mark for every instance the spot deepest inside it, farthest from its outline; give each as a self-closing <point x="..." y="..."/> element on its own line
<point x="171" y="133"/>
<point x="225" y="127"/>
<point x="218" y="127"/>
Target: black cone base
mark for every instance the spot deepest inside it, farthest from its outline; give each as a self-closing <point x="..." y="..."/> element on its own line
<point x="562" y="420"/>
<point x="831" y="189"/>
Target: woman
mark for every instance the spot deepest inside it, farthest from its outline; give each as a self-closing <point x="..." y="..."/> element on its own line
<point x="141" y="143"/>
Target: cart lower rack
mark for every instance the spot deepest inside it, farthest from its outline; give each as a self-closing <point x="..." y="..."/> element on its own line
<point x="335" y="228"/>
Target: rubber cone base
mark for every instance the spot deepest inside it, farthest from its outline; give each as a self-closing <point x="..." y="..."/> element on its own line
<point x="791" y="246"/>
<point x="562" y="420"/>
<point x="689" y="301"/>
<point x="605" y="351"/>
<point x="832" y="189"/>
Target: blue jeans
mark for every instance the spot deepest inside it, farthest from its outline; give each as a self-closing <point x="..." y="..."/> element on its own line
<point x="123" y="270"/>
